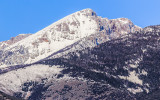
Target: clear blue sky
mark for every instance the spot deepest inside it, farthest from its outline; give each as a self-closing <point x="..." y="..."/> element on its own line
<point x="30" y="16"/>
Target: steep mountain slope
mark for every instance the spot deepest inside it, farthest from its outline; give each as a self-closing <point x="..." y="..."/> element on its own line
<point x="125" y="68"/>
<point x="82" y="25"/>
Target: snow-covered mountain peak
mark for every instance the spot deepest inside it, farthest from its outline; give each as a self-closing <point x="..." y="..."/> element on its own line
<point x="63" y="33"/>
<point x="125" y="20"/>
<point x="88" y="12"/>
<point x="68" y="28"/>
<point x="55" y="37"/>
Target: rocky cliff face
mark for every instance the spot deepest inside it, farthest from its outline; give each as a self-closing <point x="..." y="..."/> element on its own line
<point x="122" y="26"/>
<point x="81" y="27"/>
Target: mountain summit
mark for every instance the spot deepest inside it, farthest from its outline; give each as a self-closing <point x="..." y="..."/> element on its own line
<point x="63" y="33"/>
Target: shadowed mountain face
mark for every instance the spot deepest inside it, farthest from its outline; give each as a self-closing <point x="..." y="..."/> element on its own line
<point x="130" y="63"/>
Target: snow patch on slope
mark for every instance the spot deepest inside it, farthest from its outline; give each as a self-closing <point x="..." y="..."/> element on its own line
<point x="133" y="77"/>
<point x="134" y="91"/>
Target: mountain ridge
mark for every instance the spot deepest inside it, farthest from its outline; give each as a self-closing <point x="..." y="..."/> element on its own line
<point x="63" y="33"/>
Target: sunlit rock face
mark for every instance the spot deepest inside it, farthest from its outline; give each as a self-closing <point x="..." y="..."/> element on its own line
<point x="122" y="26"/>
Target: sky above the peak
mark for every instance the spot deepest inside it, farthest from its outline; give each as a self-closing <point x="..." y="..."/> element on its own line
<point x="30" y="16"/>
